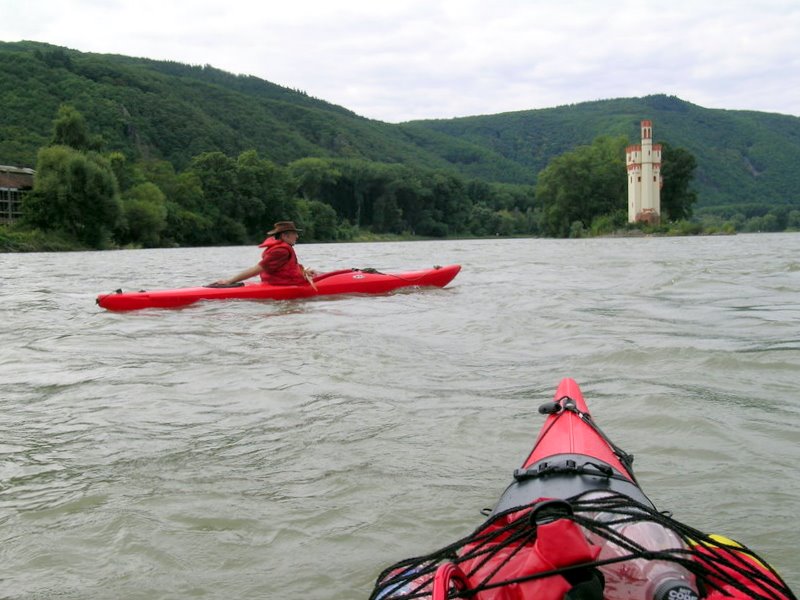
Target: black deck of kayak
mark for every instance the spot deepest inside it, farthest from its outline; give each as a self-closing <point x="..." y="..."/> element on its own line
<point x="565" y="476"/>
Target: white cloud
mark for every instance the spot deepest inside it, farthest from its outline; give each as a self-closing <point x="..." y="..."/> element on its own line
<point x="411" y="59"/>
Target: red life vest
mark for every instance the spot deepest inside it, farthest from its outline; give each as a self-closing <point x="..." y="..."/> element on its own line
<point x="277" y="272"/>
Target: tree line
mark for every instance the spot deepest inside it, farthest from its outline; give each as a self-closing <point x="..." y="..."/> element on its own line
<point x="105" y="200"/>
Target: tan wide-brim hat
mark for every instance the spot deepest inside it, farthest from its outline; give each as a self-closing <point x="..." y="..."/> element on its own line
<point x="279" y="227"/>
<point x="283" y="226"/>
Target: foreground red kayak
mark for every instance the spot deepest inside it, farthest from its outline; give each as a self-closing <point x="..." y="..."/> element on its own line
<point x="575" y="525"/>
<point x="348" y="281"/>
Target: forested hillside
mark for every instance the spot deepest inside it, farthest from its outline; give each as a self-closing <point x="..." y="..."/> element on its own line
<point x="742" y="156"/>
<point x="166" y="110"/>
<point x="171" y="111"/>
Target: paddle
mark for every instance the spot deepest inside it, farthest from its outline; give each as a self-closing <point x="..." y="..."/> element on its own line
<point x="225" y="285"/>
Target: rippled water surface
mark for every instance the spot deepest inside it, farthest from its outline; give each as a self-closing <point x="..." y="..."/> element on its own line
<point x="294" y="449"/>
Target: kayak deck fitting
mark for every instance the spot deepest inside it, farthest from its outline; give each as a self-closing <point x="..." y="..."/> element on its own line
<point x="346" y="281"/>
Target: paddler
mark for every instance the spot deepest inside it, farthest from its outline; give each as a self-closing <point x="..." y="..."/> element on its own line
<point x="278" y="264"/>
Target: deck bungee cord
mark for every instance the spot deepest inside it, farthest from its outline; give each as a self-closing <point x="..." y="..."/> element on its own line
<point x="481" y="559"/>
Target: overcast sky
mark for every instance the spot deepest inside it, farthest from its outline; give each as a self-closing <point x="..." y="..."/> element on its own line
<point x="398" y="60"/>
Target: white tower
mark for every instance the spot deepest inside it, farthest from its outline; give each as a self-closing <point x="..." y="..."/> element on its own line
<point x="644" y="178"/>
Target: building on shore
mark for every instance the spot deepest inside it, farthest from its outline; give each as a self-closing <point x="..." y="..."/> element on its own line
<point x="644" y="178"/>
<point x="15" y="182"/>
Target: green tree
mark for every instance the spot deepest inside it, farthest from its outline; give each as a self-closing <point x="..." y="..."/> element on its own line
<point x="123" y="170"/>
<point x="216" y="174"/>
<point x="479" y="191"/>
<point x="411" y="195"/>
<point x="781" y="214"/>
<point x="265" y="193"/>
<point x="608" y="223"/>
<point x="76" y="193"/>
<point x="183" y="199"/>
<point x="677" y="173"/>
<point x="507" y="222"/>
<point x="70" y="129"/>
<point x="451" y="202"/>
<point x="242" y="197"/>
<point x="793" y="220"/>
<point x="145" y="215"/>
<point x="319" y="220"/>
<point x="386" y="215"/>
<point x="187" y="191"/>
<point x="578" y="186"/>
<point x="768" y="222"/>
<point x="312" y="175"/>
<point x="160" y="172"/>
<point x="187" y="228"/>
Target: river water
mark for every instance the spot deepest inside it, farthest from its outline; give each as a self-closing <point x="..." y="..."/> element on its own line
<point x="295" y="449"/>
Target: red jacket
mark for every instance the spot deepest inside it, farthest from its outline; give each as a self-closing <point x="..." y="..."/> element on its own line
<point x="279" y="264"/>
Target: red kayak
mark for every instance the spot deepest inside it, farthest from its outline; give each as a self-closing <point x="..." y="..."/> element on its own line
<point x="575" y="525"/>
<point x="348" y="281"/>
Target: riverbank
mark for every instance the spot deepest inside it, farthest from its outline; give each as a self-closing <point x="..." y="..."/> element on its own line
<point x="14" y="240"/>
